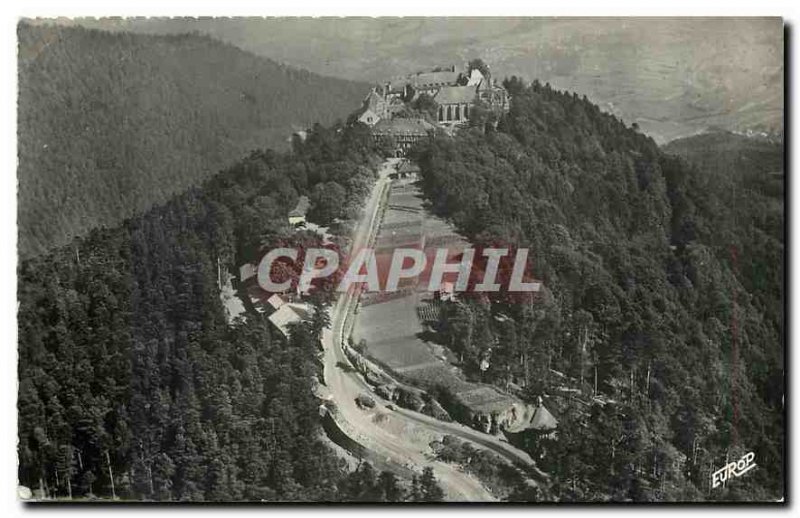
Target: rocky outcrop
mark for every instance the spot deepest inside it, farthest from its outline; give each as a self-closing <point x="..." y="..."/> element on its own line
<point x="387" y="392"/>
<point x="365" y="401"/>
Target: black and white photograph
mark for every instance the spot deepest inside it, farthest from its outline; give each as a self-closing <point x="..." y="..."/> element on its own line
<point x="395" y="260"/>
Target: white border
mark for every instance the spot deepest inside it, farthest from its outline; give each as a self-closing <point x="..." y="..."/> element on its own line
<point x="12" y="11"/>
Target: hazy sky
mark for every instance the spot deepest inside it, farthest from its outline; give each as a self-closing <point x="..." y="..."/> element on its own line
<point x="674" y="76"/>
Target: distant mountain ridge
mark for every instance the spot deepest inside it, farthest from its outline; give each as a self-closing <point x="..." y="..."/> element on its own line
<point x="110" y="124"/>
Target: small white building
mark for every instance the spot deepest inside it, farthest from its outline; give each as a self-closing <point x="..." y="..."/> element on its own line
<point x="287" y="314"/>
<point x="475" y="78"/>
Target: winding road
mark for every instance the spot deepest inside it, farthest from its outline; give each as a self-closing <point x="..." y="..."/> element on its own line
<point x="403" y="444"/>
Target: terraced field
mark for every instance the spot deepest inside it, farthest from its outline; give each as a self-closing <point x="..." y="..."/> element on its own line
<point x="393" y="325"/>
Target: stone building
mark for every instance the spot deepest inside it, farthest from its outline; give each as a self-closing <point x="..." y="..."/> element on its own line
<point x="285" y="314"/>
<point x="543" y="422"/>
<point x="368" y="117"/>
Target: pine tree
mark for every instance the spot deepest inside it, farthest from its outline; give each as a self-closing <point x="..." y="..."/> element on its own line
<point x="429" y="486"/>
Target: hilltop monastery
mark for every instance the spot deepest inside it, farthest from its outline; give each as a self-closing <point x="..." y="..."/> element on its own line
<point x="455" y="93"/>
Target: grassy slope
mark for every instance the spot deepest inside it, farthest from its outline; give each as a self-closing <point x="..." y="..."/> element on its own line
<point x="743" y="179"/>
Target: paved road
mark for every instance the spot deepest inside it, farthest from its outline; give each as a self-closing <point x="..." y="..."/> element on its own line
<point x="344" y="385"/>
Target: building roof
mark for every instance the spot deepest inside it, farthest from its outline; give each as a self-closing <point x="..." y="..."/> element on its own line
<point x="301" y="208"/>
<point x="373" y="99"/>
<point x="475" y="77"/>
<point x="395" y="106"/>
<point x="407" y="167"/>
<point x="402" y="127"/>
<point x="393" y="88"/>
<point x="456" y="94"/>
<point x="543" y="420"/>
<point x="276" y="301"/>
<point x="368" y="116"/>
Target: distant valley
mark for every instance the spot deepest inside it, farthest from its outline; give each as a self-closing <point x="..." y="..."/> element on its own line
<point x="111" y="124"/>
<point x="673" y="77"/>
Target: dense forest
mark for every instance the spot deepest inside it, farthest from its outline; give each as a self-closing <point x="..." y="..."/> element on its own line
<point x="111" y="124"/>
<point x="129" y="371"/>
<point x="658" y="337"/>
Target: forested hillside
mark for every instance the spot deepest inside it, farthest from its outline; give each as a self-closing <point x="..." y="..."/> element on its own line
<point x="128" y="368"/>
<point x="112" y="123"/>
<point x="740" y="182"/>
<point x="658" y="338"/>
